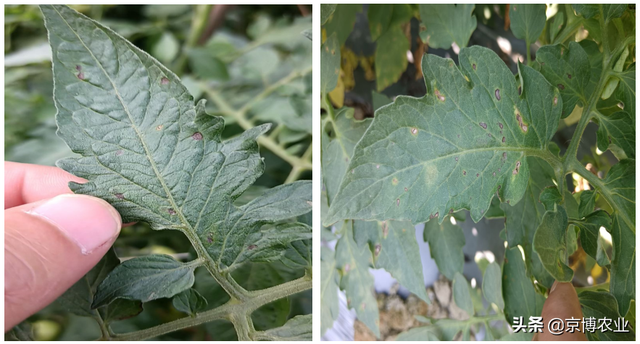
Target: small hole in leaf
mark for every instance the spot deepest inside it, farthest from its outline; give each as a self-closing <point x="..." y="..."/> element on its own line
<point x="414" y="131"/>
<point x="164" y="81"/>
<point x="119" y="195"/>
<point x="439" y="95"/>
<point x="621" y="105"/>
<point x="561" y="86"/>
<point x="377" y="250"/>
<point x="197" y="136"/>
<point x="497" y="93"/>
<point x="517" y="169"/>
<point x="464" y="173"/>
<point x="500" y="125"/>
<point x="159" y="127"/>
<point x="555" y="101"/>
<point x="377" y="166"/>
<point x="171" y="211"/>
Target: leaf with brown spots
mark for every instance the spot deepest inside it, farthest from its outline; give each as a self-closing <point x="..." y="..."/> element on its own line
<point x="157" y="157"/>
<point x="445" y="153"/>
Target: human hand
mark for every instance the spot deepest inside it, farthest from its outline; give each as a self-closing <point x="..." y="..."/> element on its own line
<point x="562" y="303"/>
<point x="52" y="237"/>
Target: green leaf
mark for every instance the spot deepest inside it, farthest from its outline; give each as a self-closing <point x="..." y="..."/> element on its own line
<point x="79" y="297"/>
<point x="522" y="219"/>
<point x="492" y="285"/>
<point x="550" y="244"/>
<point x="590" y="231"/>
<point x="621" y="186"/>
<point x="337" y="149"/>
<point x="395" y="249"/>
<point x="146" y="149"/>
<point x="520" y="297"/>
<point x="569" y="70"/>
<point x="446" y="241"/>
<point x="379" y="17"/>
<point x="549" y="197"/>
<point x="608" y="11"/>
<point x="329" y="64"/>
<point x="379" y="100"/>
<point x="325" y="12"/>
<point x="626" y="91"/>
<point x="189" y="301"/>
<point x="554" y="28"/>
<point x="391" y="57"/>
<point x="206" y="66"/>
<point x="342" y="22"/>
<point x="443" y="329"/>
<point x="328" y="290"/>
<point x="271" y="243"/>
<point x="357" y="283"/>
<point x="461" y="294"/>
<point x="527" y="21"/>
<point x="120" y="309"/>
<point x="617" y="129"/>
<point x="587" y="203"/>
<point x="623" y="264"/>
<point x="298" y="255"/>
<point x="166" y="48"/>
<point x="411" y="149"/>
<point x="145" y="278"/>
<point x="297" y="328"/>
<point x="447" y="24"/>
<point x="601" y="305"/>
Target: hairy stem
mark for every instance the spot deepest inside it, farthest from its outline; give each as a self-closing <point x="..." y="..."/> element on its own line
<point x="237" y="308"/>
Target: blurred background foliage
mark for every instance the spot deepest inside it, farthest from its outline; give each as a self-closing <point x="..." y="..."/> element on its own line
<point x="252" y="64"/>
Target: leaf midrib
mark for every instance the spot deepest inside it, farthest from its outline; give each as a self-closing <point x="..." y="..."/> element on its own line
<point x="133" y="126"/>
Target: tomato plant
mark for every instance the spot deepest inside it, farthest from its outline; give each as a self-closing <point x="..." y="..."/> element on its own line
<point x="209" y="248"/>
<point x="484" y="141"/>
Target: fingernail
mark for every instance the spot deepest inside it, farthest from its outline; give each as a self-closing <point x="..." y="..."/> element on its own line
<point x="88" y="221"/>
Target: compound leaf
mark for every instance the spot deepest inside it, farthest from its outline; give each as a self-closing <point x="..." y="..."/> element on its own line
<point x="270" y="244"/>
<point x="146" y="149"/>
<point x="354" y="262"/>
<point x="620" y="183"/>
<point x="527" y="21"/>
<point x="189" y="301"/>
<point x="328" y="290"/>
<point x="447" y="24"/>
<point x="446" y="241"/>
<point x="492" y="285"/>
<point x="413" y="164"/>
<point x="297" y="328"/>
<point x="146" y="278"/>
<point x="569" y="70"/>
<point x="550" y="244"/>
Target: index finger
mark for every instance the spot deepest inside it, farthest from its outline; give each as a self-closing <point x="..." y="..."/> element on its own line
<point x="27" y="183"/>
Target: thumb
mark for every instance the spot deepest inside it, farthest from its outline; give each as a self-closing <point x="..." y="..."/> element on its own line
<point x="50" y="245"/>
<point x="562" y="303"/>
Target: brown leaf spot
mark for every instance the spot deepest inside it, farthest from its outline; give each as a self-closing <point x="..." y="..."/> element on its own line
<point x="568" y="75"/>
<point x="197" y="136"/>
<point x="483" y="125"/>
<point x="394" y="181"/>
<point x="439" y="95"/>
<point x="377" y="250"/>
<point x="500" y="125"/>
<point x="159" y="127"/>
<point x="81" y="76"/>
<point x="464" y="173"/>
<point x="477" y="174"/>
<point x="473" y="66"/>
<point x="519" y="90"/>
<point x="414" y="131"/>
<point x="119" y="152"/>
<point x="119" y="195"/>
<point x="555" y="101"/>
<point x="171" y="211"/>
<point x="561" y="86"/>
<point x="498" y="93"/>
<point x="209" y="238"/>
<point x="517" y="169"/>
<point x="504" y="155"/>
<point x="503" y="139"/>
<point x="405" y="189"/>
<point x="397" y="202"/>
<point x="251" y="247"/>
<point x="385" y="229"/>
<point x="456" y="158"/>
<point x="164" y="81"/>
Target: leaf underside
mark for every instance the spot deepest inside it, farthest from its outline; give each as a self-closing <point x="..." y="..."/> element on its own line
<point x="150" y="152"/>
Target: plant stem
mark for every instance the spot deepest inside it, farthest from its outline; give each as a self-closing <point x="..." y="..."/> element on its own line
<point x="197" y="25"/>
<point x="256" y="300"/>
<point x="528" y="53"/>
